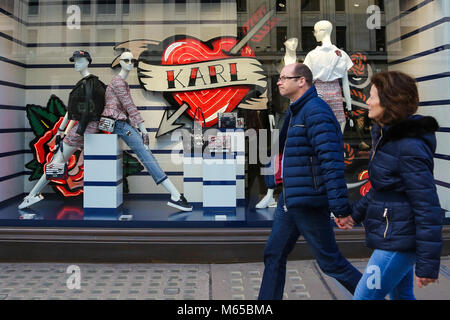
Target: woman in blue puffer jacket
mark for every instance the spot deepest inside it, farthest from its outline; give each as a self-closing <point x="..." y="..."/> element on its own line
<point x="401" y="213"/>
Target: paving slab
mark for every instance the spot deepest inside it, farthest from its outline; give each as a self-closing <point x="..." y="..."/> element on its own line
<point x="58" y="281"/>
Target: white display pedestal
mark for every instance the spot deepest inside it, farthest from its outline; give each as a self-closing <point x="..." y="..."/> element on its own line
<point x="103" y="187"/>
<point x="217" y="180"/>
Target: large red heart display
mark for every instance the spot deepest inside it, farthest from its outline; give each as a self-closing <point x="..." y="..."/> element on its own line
<point x="211" y="101"/>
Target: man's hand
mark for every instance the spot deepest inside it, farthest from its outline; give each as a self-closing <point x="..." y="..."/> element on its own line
<point x="423" y="282"/>
<point x="345" y="223"/>
<point x="145" y="138"/>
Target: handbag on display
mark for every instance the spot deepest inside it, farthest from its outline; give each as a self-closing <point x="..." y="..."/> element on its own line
<point x="227" y="120"/>
<point x="107" y="124"/>
<point x="219" y="143"/>
<point x="197" y="138"/>
<point x="57" y="170"/>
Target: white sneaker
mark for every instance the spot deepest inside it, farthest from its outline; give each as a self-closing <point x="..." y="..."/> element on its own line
<point x="29" y="201"/>
<point x="265" y="202"/>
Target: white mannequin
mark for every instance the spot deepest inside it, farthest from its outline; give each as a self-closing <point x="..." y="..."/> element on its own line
<point x="290" y="57"/>
<point x="322" y="32"/>
<point x="124" y="72"/>
<point x="81" y="65"/>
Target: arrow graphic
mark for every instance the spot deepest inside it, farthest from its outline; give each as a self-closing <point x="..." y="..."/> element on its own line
<point x="167" y="123"/>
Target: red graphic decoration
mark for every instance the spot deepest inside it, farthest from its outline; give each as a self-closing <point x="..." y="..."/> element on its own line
<point x="210" y="101"/>
<point x="365" y="188"/>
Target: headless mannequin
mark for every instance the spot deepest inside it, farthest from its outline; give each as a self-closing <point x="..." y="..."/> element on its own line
<point x="126" y="68"/>
<point x="322" y="32"/>
<point x="81" y="65"/>
<point x="289" y="58"/>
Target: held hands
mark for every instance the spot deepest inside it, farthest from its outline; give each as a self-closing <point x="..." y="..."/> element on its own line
<point x="345" y="223"/>
<point x="423" y="282"/>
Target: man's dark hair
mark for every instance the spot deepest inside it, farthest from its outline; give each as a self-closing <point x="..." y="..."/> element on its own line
<point x="302" y="70"/>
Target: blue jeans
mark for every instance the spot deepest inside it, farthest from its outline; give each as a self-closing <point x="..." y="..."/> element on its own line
<point x="316" y="227"/>
<point x="134" y="140"/>
<point x="269" y="179"/>
<point x="387" y="272"/>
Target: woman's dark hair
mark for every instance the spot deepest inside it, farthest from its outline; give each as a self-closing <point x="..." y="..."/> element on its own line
<point x="398" y="95"/>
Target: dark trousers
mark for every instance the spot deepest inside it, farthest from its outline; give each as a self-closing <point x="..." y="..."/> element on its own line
<point x="316" y="227"/>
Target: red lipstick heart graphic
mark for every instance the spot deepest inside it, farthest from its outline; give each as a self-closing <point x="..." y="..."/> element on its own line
<point x="210" y="101"/>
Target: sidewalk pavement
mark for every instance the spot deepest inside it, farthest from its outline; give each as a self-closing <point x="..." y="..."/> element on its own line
<point x="57" y="281"/>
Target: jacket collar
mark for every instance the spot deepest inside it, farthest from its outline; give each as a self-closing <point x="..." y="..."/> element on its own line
<point x="85" y="78"/>
<point x="412" y="127"/>
<point x="308" y="95"/>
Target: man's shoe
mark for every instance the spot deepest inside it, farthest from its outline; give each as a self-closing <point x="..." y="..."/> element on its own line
<point x="29" y="201"/>
<point x="181" y="204"/>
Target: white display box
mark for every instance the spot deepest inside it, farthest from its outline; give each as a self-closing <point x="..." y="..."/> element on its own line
<point x="103" y="176"/>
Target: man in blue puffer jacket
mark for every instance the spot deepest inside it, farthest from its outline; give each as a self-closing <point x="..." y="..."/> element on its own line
<point x="313" y="185"/>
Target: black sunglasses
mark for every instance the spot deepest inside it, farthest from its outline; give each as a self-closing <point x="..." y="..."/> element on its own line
<point x="133" y="61"/>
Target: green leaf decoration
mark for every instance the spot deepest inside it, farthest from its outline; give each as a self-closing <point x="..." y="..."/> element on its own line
<point x="131" y="166"/>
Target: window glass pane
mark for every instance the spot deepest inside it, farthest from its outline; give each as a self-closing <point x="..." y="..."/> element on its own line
<point x="341" y="38"/>
<point x="126" y="6"/>
<point x="33" y="7"/>
<point x="281" y="5"/>
<point x="241" y="5"/>
<point x="311" y="5"/>
<point x="340" y="5"/>
<point x="308" y="40"/>
<point x="106" y="7"/>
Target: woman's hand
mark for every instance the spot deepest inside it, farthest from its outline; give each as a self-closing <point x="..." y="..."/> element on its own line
<point x="423" y="282"/>
<point x="345" y="223"/>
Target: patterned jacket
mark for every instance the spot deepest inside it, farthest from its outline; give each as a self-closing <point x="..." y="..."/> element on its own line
<point x="119" y="104"/>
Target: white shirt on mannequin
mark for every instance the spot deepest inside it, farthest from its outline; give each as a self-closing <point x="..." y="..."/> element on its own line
<point x="328" y="63"/>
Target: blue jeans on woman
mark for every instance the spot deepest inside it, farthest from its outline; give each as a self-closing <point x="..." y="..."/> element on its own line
<point x="387" y="272"/>
<point x="134" y="140"/>
<point x="316" y="227"/>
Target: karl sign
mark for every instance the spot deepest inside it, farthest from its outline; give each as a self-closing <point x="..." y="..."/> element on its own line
<point x="215" y="76"/>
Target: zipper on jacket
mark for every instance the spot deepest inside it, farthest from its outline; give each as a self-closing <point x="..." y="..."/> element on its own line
<point x="376" y="146"/>
<point x="312" y="171"/>
<point x="284" y="149"/>
<point x="385" y="215"/>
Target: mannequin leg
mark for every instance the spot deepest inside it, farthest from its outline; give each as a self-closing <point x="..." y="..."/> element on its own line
<point x="174" y="194"/>
<point x="34" y="196"/>
<point x="133" y="139"/>
<point x="343" y="126"/>
<point x="267" y="201"/>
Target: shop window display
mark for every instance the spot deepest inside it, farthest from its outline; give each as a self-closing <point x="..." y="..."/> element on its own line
<point x="219" y="56"/>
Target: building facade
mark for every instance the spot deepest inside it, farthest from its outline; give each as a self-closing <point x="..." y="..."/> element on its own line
<point x="38" y="37"/>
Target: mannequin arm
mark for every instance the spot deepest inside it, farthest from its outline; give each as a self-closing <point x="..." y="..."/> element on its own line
<point x="144" y="134"/>
<point x="69" y="126"/>
<point x="346" y="89"/>
<point x="63" y="123"/>
<point x="271" y="122"/>
<point x="347" y="96"/>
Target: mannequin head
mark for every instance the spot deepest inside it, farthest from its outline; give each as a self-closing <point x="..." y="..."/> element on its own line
<point x="291" y="44"/>
<point x="322" y="30"/>
<point x="127" y="61"/>
<point x="81" y="64"/>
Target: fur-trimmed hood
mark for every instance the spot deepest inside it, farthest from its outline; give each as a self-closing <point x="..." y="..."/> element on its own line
<point x="413" y="127"/>
<point x="417" y="126"/>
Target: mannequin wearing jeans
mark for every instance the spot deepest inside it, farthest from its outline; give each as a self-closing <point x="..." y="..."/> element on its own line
<point x="120" y="107"/>
<point x="74" y="139"/>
